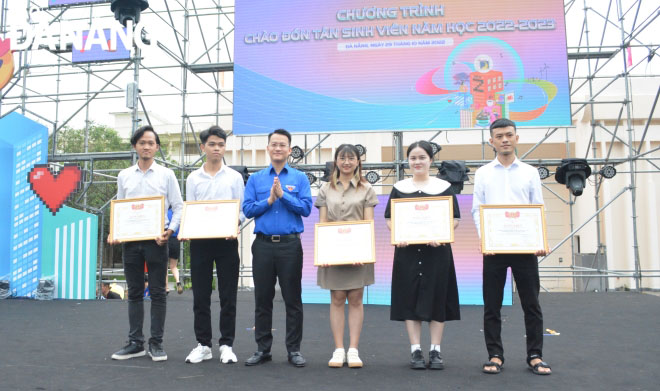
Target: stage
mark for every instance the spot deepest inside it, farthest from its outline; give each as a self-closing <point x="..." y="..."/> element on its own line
<point x="607" y="341"/>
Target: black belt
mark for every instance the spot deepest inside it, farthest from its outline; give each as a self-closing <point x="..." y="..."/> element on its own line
<point x="278" y="238"/>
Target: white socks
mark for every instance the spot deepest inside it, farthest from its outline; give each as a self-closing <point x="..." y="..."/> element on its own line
<point x="418" y="347"/>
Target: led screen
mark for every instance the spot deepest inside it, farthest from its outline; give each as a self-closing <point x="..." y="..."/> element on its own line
<point x="100" y="52"/>
<point x="55" y="3"/>
<point x="347" y="65"/>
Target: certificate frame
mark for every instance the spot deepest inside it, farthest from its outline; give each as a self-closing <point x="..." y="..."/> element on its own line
<point x="531" y="212"/>
<point x="214" y="230"/>
<point x="152" y="232"/>
<point x="445" y="202"/>
<point x="323" y="232"/>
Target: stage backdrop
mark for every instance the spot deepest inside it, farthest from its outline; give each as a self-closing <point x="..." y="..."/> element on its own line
<point x="70" y="242"/>
<point x="467" y="259"/>
<point x="348" y="65"/>
<point x="36" y="241"/>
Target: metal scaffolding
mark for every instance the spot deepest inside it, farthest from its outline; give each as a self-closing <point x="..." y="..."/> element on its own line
<point x="198" y="51"/>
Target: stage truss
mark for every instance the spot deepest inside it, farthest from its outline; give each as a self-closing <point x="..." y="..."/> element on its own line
<point x="196" y="57"/>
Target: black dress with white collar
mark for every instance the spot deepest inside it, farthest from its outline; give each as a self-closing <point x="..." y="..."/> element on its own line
<point x="423" y="277"/>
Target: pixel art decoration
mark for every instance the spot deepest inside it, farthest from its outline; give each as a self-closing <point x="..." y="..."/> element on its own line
<point x="39" y="237"/>
<point x="54" y="188"/>
<point x="23" y="144"/>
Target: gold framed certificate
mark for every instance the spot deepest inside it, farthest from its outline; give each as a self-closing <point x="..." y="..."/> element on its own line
<point x="513" y="229"/>
<point x="209" y="219"/>
<point x="422" y="220"/>
<point x="344" y="243"/>
<point x="134" y="219"/>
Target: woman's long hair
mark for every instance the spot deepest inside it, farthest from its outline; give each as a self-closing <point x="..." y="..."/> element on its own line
<point x="347" y="150"/>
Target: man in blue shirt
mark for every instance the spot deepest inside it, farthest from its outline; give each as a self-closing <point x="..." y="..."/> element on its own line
<point x="277" y="197"/>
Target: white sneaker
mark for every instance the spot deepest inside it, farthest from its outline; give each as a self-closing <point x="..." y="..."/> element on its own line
<point x="353" y="358"/>
<point x="227" y="355"/>
<point x="338" y="359"/>
<point x="199" y="354"/>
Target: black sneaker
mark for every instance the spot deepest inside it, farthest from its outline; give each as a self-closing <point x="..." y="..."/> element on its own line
<point x="417" y="360"/>
<point x="133" y="349"/>
<point x="435" y="360"/>
<point x="156" y="352"/>
<point x="296" y="359"/>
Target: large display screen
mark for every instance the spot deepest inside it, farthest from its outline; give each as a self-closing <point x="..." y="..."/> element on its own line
<point x="467" y="259"/>
<point x="348" y="65"/>
<point x="99" y="51"/>
<point x="59" y="3"/>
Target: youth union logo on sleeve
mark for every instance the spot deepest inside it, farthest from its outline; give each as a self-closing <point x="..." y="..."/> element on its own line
<point x="290" y="187"/>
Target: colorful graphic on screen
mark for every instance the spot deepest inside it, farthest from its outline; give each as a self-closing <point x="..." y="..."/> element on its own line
<point x="6" y="62"/>
<point x="100" y="49"/>
<point x="467" y="259"/>
<point x="398" y="65"/>
<point x="57" y="3"/>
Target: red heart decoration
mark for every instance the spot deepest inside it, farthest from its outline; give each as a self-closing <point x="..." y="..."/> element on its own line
<point x="54" y="189"/>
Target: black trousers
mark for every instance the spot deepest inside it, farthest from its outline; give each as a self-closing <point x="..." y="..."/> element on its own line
<point x="203" y="253"/>
<point x="134" y="255"/>
<point x="281" y="261"/>
<point x="525" y="270"/>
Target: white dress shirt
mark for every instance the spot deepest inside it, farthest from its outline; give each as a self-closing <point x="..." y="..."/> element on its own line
<point x="226" y="184"/>
<point x="495" y="184"/>
<point x="156" y="181"/>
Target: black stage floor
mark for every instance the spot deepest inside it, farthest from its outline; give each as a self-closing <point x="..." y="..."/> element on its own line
<point x="607" y="341"/>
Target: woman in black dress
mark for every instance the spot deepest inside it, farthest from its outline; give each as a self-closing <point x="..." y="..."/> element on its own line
<point x="423" y="276"/>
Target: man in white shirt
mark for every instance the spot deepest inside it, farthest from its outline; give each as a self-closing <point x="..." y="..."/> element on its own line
<point x="147" y="179"/>
<point x="507" y="180"/>
<point x="214" y="181"/>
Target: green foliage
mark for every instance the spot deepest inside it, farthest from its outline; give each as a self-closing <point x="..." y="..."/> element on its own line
<point x="101" y="139"/>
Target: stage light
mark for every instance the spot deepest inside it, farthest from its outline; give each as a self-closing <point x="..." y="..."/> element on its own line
<point x="372" y="177"/>
<point x="454" y="172"/>
<point x="573" y="173"/>
<point x="297" y="153"/>
<point x="327" y="171"/>
<point x="128" y="10"/>
<point x="436" y="148"/>
<point x="362" y="150"/>
<point x="543" y="172"/>
<point x="310" y="177"/>
<point x="608" y="172"/>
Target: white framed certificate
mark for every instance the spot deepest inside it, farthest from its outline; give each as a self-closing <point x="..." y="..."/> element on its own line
<point x="344" y="243"/>
<point x="513" y="229"/>
<point x="422" y="220"/>
<point x="134" y="219"/>
<point x="209" y="219"/>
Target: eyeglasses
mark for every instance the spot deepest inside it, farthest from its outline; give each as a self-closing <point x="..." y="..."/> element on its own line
<point x="347" y="158"/>
<point x="280" y="145"/>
